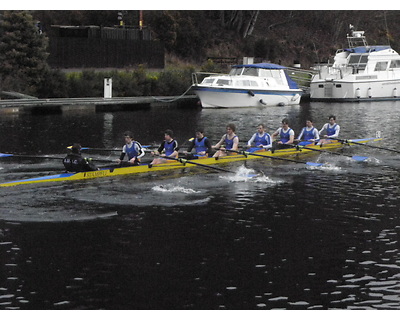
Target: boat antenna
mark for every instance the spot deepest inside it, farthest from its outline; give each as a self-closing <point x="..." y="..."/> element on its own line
<point x="387" y="28"/>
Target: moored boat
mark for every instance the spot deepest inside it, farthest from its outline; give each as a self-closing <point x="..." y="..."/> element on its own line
<point x="172" y="164"/>
<point x="359" y="73"/>
<point x="248" y="85"/>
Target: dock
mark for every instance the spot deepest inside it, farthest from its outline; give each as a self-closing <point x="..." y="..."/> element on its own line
<point x="58" y="105"/>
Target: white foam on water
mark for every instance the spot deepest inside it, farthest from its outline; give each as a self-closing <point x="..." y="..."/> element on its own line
<point x="173" y="189"/>
<point x="244" y="174"/>
<point x="326" y="167"/>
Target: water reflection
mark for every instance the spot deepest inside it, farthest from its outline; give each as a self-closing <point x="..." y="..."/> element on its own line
<point x="295" y="237"/>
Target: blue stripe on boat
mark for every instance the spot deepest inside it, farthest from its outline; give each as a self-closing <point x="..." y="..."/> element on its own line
<point x="55" y="176"/>
<point x="271" y="92"/>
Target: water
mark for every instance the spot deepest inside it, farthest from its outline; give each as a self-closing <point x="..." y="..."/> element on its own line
<point x="295" y="237"/>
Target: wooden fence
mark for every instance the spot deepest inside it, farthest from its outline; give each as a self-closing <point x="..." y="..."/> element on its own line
<point x="77" y="52"/>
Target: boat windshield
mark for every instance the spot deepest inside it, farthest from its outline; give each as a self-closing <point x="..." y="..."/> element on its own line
<point x="272" y="73"/>
<point x="358" y="60"/>
<point x="236" y="71"/>
<point x="395" y="64"/>
<point x="244" y="71"/>
<point x="250" y="72"/>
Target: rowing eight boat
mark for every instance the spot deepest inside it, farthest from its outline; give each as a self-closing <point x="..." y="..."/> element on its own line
<point x="171" y="164"/>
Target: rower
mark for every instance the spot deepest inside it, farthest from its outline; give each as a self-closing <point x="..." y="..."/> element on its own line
<point x="230" y="139"/>
<point x="261" y="140"/>
<point x="132" y="149"/>
<point x="201" y="144"/>
<point x="308" y="134"/>
<point x="331" y="130"/>
<point x="169" y="146"/>
<point x="74" y="162"/>
<point x="286" y="135"/>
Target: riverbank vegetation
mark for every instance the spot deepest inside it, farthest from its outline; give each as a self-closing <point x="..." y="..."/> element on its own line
<point x="189" y="37"/>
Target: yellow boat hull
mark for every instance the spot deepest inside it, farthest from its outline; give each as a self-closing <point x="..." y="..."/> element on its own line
<point x="172" y="164"/>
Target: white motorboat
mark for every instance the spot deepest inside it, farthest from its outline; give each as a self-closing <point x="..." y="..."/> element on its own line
<point x="359" y="73"/>
<point x="248" y="85"/>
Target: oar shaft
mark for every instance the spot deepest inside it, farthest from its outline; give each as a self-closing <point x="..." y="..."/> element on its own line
<point x="28" y="156"/>
<point x="366" y="145"/>
<point x="183" y="161"/>
<point x="265" y="156"/>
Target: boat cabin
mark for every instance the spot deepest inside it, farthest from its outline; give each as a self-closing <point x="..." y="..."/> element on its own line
<point x="253" y="75"/>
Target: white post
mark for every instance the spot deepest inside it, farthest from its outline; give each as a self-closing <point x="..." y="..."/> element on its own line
<point x="107" y="87"/>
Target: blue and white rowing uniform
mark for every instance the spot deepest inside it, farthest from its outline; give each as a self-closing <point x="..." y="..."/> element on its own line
<point x="260" y="142"/>
<point x="311" y="134"/>
<point x="229" y="142"/>
<point x="133" y="150"/>
<point x="168" y="147"/>
<point x="331" y="131"/>
<point x="285" y="135"/>
<point x="200" y="145"/>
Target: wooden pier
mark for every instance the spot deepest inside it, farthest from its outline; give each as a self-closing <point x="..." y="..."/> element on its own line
<point x="57" y="105"/>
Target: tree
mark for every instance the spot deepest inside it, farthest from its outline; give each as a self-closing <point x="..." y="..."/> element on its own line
<point x="23" y="54"/>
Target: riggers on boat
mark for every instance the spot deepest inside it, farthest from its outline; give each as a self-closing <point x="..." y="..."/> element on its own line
<point x="172" y="164"/>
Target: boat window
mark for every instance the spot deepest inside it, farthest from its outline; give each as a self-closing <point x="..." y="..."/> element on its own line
<point x="381" y="65"/>
<point x="223" y="82"/>
<point x="235" y="71"/>
<point x="250" y="72"/>
<point x="359" y="60"/>
<point x="208" y="81"/>
<point x="278" y="75"/>
<point x="246" y="83"/>
<point x="395" y="64"/>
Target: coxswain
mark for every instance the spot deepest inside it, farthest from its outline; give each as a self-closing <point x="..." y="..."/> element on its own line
<point x="74" y="162"/>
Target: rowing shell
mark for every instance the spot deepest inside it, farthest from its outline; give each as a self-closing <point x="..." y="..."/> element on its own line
<point x="171" y="164"/>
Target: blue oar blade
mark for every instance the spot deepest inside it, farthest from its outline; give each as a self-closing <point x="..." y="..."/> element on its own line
<point x="3" y="155"/>
<point x="359" y="158"/>
<point x="314" y="164"/>
<point x="252" y="175"/>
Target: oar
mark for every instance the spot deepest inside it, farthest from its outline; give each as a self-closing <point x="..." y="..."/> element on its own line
<point x="4" y="155"/>
<point x="365" y="145"/>
<point x="245" y="153"/>
<point x="109" y="150"/>
<point x="120" y="150"/>
<point x="357" y="158"/>
<point x="184" y="161"/>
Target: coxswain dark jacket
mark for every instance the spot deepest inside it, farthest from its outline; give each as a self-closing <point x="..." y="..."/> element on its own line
<point x="76" y="163"/>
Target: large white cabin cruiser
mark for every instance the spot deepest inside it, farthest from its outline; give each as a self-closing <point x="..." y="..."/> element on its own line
<point x="248" y="85"/>
<point x="359" y="73"/>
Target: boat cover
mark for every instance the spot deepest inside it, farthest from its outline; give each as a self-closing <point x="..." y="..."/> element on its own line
<point x="260" y="65"/>
<point x="367" y="49"/>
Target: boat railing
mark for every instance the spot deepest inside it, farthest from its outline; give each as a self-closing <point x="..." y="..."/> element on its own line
<point x="333" y="71"/>
<point x="198" y="77"/>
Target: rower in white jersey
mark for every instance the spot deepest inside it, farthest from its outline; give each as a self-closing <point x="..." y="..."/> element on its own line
<point x="132" y="149"/>
<point x="308" y="134"/>
<point x="331" y="130"/>
<point x="286" y="135"/>
<point x="260" y="140"/>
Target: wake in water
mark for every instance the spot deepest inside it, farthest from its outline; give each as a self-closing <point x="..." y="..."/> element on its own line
<point x="244" y="174"/>
<point x="173" y="189"/>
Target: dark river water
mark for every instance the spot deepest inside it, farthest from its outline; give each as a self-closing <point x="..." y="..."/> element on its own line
<point x="299" y="237"/>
